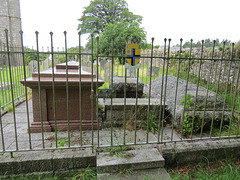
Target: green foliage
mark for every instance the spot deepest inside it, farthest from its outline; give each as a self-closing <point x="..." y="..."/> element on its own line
<point x="190" y="124"/>
<point x="151" y="124"/>
<point x="100" y="107"/>
<point x="111" y="19"/>
<point x="188" y="101"/>
<point x="32" y="55"/>
<point x="118" y="151"/>
<point x="61" y="143"/>
<point x="9" y="108"/>
<point x="207" y="43"/>
<point x="145" y="45"/>
<point x="217" y="170"/>
<point x="120" y="32"/>
<point x="86" y="175"/>
<point x="105" y="85"/>
<point x="100" y="13"/>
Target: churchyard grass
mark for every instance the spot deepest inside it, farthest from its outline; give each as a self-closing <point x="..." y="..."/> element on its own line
<point x="17" y="74"/>
<point x="219" y="169"/>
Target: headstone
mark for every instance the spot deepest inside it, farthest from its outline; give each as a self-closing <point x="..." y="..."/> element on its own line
<point x="86" y="57"/>
<point x="131" y="72"/>
<point x="33" y="66"/>
<point x="89" y="63"/>
<point x="131" y="87"/>
<point x="102" y="63"/>
<point x="107" y="71"/>
<point x="155" y="71"/>
<point x="46" y="64"/>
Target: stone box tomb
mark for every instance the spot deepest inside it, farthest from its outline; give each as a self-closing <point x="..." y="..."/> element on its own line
<point x="46" y="89"/>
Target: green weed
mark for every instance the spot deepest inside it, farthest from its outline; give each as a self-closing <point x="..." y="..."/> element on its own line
<point x="226" y="169"/>
<point x="118" y="151"/>
<point x="86" y="175"/>
<point x="61" y="143"/>
<point x="188" y="101"/>
<point x="9" y="108"/>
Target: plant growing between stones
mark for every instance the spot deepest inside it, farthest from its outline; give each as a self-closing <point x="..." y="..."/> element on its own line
<point x="151" y="124"/>
<point x="188" y="101"/>
<point x="190" y="124"/>
<point x="126" y="172"/>
<point x="61" y="143"/>
<point x="118" y="151"/>
<point x="86" y="175"/>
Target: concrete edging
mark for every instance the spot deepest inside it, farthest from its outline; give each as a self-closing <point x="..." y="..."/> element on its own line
<point x="192" y="152"/>
<point x="52" y="162"/>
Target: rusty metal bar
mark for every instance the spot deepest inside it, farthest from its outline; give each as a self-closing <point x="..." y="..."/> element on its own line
<point x="162" y="108"/>
<point x="26" y="96"/>
<point x="150" y="84"/>
<point x="11" y="81"/>
<point x="39" y="90"/>
<point x="67" y="89"/>
<point x="53" y="86"/>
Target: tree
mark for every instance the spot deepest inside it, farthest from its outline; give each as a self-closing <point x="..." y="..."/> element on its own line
<point x="111" y="19"/>
<point x="207" y="43"/>
<point x="120" y="32"/>
<point x="100" y="13"/>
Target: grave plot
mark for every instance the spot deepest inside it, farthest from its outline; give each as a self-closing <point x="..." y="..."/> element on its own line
<point x="65" y="116"/>
<point x="202" y="107"/>
<point x="133" y="112"/>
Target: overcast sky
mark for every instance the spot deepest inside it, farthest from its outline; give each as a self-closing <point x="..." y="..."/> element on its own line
<point x="175" y="19"/>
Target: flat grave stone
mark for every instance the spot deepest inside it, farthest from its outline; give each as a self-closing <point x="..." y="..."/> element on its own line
<point x="210" y="113"/>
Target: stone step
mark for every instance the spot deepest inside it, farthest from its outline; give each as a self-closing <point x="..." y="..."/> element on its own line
<point x="153" y="174"/>
<point x="133" y="160"/>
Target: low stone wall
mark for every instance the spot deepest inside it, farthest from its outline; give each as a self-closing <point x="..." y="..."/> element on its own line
<point x="117" y="116"/>
<point x="176" y="154"/>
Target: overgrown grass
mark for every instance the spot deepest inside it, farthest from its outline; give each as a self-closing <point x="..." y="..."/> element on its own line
<point x="85" y="174"/>
<point x="17" y="74"/>
<point x="219" y="170"/>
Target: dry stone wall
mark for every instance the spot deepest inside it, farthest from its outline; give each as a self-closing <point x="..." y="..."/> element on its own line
<point x="217" y="70"/>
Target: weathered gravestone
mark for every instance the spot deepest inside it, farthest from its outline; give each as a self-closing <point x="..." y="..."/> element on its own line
<point x="33" y="66"/>
<point x="155" y="71"/>
<point x="86" y="57"/>
<point x="131" y="72"/>
<point x="216" y="114"/>
<point x="102" y="63"/>
<point x="131" y="87"/>
<point x="107" y="71"/>
<point x="47" y="63"/>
